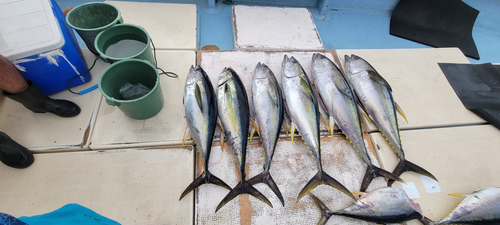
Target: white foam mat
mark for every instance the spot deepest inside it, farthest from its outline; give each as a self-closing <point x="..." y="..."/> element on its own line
<point x="46" y="132"/>
<point x="171" y="26"/>
<point x="113" y="129"/>
<point x="419" y="86"/>
<point x="463" y="159"/>
<point x="135" y="186"/>
<point x="259" y="27"/>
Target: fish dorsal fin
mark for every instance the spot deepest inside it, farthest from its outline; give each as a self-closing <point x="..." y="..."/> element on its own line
<point x="306" y="89"/>
<point x="197" y="94"/>
<point x="375" y="77"/>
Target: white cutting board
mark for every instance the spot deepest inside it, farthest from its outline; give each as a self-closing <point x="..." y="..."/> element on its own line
<point x="419" y="86"/>
<point x="135" y="186"/>
<point x="267" y="28"/>
<point x="463" y="159"/>
<point x="113" y="129"/>
<point x="171" y="26"/>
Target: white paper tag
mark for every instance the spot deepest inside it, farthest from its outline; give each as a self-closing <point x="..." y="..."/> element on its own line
<point x="411" y="190"/>
<point x="431" y="186"/>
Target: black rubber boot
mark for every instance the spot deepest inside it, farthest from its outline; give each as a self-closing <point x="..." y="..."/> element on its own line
<point x="38" y="102"/>
<point x="13" y="154"/>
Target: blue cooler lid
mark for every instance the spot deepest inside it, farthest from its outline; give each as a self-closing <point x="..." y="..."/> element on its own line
<point x="28" y="27"/>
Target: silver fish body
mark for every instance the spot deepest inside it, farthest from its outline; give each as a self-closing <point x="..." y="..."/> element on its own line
<point x="303" y="110"/>
<point x="200" y="106"/>
<point x="375" y="95"/>
<point x="268" y="102"/>
<point x="234" y="114"/>
<point x="340" y="103"/>
<point x="384" y="205"/>
<point x="268" y="105"/>
<point x="480" y="207"/>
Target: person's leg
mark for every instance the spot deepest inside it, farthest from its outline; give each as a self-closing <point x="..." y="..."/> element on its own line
<point x="15" y="87"/>
<point x="10" y="79"/>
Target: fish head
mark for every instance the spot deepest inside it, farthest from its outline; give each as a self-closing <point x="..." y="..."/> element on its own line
<point x="320" y="63"/>
<point x="289" y="67"/>
<point x="195" y="74"/>
<point x="225" y="76"/>
<point x="262" y="71"/>
<point x="355" y="64"/>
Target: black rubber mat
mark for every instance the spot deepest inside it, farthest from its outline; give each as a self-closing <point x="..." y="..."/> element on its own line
<point x="478" y="87"/>
<point x="438" y="23"/>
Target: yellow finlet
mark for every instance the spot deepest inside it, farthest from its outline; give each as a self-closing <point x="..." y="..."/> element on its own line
<point x="400" y="111"/>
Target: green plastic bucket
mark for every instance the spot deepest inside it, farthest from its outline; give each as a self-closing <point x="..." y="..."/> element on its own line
<point x="124" y="41"/>
<point x="91" y="18"/>
<point x="134" y="72"/>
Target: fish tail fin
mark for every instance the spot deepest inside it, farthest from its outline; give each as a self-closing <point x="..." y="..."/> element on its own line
<point x="326" y="213"/>
<point x="405" y="166"/>
<point x="205" y="178"/>
<point x="427" y="221"/>
<point x="372" y="172"/>
<point x="323" y="178"/>
<point x="243" y="187"/>
<point x="266" y="178"/>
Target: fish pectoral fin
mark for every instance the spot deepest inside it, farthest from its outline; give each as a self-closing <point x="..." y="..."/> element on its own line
<point x="274" y="94"/>
<point x="292" y="131"/>
<point x="326" y="213"/>
<point x="243" y="187"/>
<point x="323" y="178"/>
<point x="400" y="111"/>
<point x="197" y="93"/>
<point x="185" y="136"/>
<point x="266" y="178"/>
<point x="460" y="195"/>
<point x="372" y="172"/>
<point x="375" y="77"/>
<point x="306" y="89"/>
<point x="405" y="166"/>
